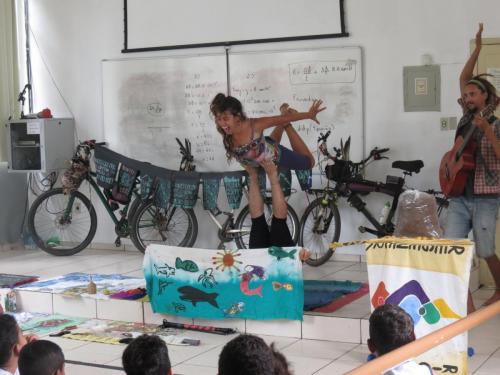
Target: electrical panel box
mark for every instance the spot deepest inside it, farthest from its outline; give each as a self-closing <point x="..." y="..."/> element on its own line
<point x="40" y="145"/>
<point x="422" y="88"/>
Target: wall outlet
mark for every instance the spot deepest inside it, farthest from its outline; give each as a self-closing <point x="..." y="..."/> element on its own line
<point x="448" y="123"/>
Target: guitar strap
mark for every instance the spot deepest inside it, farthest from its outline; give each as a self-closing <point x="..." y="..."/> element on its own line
<point x="463" y="124"/>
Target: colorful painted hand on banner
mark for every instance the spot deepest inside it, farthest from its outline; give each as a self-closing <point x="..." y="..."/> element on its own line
<point x="413" y="299"/>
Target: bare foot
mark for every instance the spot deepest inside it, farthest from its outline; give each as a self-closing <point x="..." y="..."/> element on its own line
<point x="494" y="298"/>
<point x="284" y="108"/>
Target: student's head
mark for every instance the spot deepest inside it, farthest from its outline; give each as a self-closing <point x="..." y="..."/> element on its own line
<point x="246" y="355"/>
<point x="41" y="357"/>
<point x="280" y="362"/>
<point x="146" y="355"/>
<point x="479" y="92"/>
<point x="390" y="328"/>
<point x="11" y="341"/>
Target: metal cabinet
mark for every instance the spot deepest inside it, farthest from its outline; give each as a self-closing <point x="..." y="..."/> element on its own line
<point x="40" y="145"/>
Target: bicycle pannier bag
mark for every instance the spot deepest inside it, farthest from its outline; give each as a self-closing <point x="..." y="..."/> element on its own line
<point x="124" y="184"/>
<point x="339" y="171"/>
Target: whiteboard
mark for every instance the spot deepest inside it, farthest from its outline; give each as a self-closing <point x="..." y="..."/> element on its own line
<point x="265" y="80"/>
<point x="149" y="102"/>
<point x="155" y="24"/>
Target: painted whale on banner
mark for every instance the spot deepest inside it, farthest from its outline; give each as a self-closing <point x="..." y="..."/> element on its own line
<point x="194" y="295"/>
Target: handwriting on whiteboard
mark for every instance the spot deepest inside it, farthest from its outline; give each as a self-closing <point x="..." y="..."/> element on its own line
<point x="322" y="72"/>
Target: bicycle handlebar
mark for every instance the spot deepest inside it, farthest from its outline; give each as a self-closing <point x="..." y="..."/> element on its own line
<point x="323" y="137"/>
<point x="376" y="153"/>
<point x="380" y="150"/>
<point x="91" y="143"/>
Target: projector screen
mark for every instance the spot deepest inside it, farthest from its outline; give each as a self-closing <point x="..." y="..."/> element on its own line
<point x="167" y="24"/>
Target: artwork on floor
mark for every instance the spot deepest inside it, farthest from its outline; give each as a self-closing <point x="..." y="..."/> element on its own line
<point x="11" y="281"/>
<point x="258" y="284"/>
<point x="76" y="284"/>
<point x="42" y="324"/>
<point x="95" y="330"/>
<point x="118" y="332"/>
<point x="110" y="331"/>
<point x="429" y="279"/>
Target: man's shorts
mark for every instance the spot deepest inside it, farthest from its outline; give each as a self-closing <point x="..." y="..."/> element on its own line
<point x="476" y="213"/>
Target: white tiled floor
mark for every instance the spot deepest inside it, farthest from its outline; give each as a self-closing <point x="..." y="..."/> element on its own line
<point x="306" y="356"/>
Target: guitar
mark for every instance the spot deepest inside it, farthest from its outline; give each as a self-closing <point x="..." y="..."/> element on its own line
<point x="457" y="163"/>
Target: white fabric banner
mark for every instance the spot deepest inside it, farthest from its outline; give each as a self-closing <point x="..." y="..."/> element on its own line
<point x="429" y="279"/>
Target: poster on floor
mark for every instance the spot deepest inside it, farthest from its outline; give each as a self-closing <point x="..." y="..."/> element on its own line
<point x="76" y="284"/>
<point x="429" y="279"/>
<point x="258" y="284"/>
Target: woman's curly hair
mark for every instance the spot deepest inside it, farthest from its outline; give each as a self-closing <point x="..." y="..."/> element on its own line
<point x="220" y="104"/>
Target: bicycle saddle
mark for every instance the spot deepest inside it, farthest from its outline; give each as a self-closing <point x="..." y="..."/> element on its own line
<point x="408" y="166"/>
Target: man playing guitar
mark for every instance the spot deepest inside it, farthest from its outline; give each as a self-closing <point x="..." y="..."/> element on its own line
<point x="477" y="207"/>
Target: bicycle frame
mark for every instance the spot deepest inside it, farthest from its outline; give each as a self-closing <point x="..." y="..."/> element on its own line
<point x="121" y="223"/>
<point x="354" y="187"/>
<point x="104" y="200"/>
<point x="381" y="229"/>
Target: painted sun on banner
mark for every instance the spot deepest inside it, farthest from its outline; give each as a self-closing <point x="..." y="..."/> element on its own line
<point x="429" y="279"/>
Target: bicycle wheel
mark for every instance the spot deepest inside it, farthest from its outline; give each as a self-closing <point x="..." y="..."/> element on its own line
<point x="319" y="226"/>
<point x="132" y="208"/>
<point x="62" y="224"/>
<point x="244" y="223"/>
<point x="154" y="225"/>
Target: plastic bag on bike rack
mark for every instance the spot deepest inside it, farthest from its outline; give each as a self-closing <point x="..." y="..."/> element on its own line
<point x="416" y="215"/>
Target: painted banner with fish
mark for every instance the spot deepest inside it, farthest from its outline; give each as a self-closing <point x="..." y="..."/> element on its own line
<point x="259" y="284"/>
<point x="429" y="279"/>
